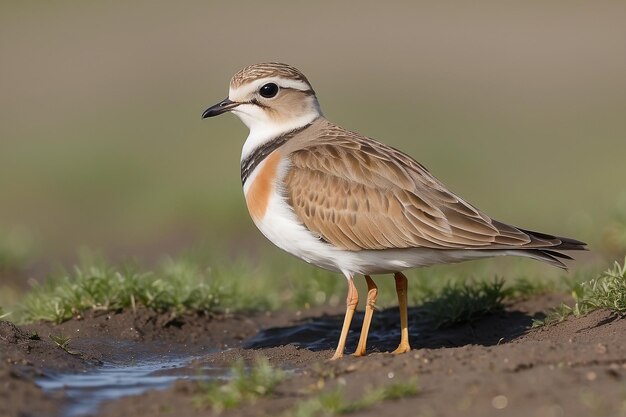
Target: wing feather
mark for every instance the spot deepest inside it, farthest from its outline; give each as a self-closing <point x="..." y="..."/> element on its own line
<point x="357" y="194"/>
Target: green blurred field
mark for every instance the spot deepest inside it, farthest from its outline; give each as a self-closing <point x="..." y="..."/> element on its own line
<point x="520" y="108"/>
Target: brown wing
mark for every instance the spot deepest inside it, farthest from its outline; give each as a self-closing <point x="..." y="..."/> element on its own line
<point x="357" y="194"/>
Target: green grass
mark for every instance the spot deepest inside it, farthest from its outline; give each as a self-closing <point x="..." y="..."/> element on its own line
<point x="178" y="286"/>
<point x="448" y="294"/>
<point x="464" y="302"/>
<point x="607" y="291"/>
<point x="175" y="286"/>
<point x="334" y="402"/>
<point x="459" y="302"/>
<point x="63" y="342"/>
<point x="244" y="385"/>
<point x="186" y="284"/>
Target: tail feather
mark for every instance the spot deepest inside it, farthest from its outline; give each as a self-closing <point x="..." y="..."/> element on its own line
<point x="547" y="256"/>
<point x="551" y="254"/>
<point x="560" y="242"/>
<point x="546" y="248"/>
<point x="557" y="254"/>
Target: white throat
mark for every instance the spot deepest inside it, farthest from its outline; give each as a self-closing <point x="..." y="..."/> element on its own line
<point x="263" y="130"/>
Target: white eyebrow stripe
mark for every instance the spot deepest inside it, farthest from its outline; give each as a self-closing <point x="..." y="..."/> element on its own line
<point x="244" y="91"/>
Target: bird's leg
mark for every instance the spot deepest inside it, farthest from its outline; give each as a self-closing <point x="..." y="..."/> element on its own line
<point x="401" y="290"/>
<point x="351" y="302"/>
<point x="372" y="293"/>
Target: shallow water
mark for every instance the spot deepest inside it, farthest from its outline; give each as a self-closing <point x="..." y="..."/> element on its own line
<point x="133" y="368"/>
<point x="86" y="391"/>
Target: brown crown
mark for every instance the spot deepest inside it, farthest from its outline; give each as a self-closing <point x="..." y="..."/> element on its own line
<point x="268" y="69"/>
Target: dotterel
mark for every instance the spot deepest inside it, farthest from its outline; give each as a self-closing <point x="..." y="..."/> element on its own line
<point x="350" y="204"/>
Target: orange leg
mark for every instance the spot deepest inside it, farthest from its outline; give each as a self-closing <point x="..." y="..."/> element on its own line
<point x="401" y="290"/>
<point x="372" y="293"/>
<point x="351" y="302"/>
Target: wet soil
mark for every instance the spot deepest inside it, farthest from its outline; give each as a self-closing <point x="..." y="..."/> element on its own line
<point x="494" y="366"/>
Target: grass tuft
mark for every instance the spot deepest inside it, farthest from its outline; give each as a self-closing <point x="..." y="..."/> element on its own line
<point x="64" y="343"/>
<point x="334" y="402"/>
<point x="176" y="286"/>
<point x="461" y="302"/>
<point x="244" y="386"/>
<point x="607" y="291"/>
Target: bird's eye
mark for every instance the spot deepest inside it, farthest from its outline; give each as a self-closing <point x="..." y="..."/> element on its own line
<point x="268" y="90"/>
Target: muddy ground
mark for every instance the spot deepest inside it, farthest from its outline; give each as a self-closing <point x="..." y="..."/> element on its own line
<point x="493" y="367"/>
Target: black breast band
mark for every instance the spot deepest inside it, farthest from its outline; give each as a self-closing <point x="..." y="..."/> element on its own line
<point x="257" y="156"/>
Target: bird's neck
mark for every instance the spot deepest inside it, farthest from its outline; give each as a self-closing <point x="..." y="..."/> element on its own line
<point x="258" y="154"/>
<point x="263" y="133"/>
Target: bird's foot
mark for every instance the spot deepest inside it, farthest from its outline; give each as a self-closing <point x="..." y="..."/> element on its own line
<point x="359" y="352"/>
<point x="337" y="355"/>
<point x="403" y="348"/>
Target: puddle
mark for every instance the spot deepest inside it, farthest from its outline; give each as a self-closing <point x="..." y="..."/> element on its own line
<point x="86" y="391"/>
<point x="133" y="368"/>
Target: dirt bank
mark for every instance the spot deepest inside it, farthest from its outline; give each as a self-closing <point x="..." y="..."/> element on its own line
<point x="493" y="367"/>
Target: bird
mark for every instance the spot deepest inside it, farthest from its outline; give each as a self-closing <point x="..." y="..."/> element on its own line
<point x="353" y="205"/>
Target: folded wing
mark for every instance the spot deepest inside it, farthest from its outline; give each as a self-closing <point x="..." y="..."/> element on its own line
<point x="359" y="194"/>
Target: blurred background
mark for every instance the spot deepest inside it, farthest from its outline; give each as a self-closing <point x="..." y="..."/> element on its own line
<point x="518" y="107"/>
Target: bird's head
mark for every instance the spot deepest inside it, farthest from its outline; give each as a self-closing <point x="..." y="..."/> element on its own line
<point x="269" y="97"/>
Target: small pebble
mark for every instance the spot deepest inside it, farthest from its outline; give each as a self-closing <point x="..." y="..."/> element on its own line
<point x="600" y="349"/>
<point x="390" y="375"/>
<point x="591" y="376"/>
<point x="499" y="402"/>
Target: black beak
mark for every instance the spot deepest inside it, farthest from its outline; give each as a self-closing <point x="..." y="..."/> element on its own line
<point x="221" y="107"/>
